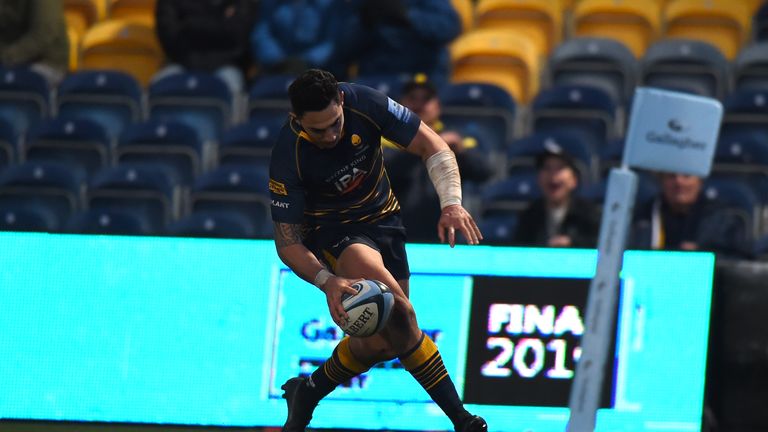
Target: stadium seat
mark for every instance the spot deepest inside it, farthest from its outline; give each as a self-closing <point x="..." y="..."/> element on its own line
<point x="24" y="98"/>
<point x="138" y="11"/>
<point x="391" y="85"/>
<point x="499" y="230"/>
<point x="121" y="45"/>
<point x="695" y="66"/>
<point x="110" y="221"/>
<point x="74" y="49"/>
<point x="466" y="11"/>
<point x="238" y="188"/>
<point x="80" y="15"/>
<point x="111" y="98"/>
<point x="540" y="20"/>
<point x="35" y="218"/>
<point x="744" y="154"/>
<point x="80" y="142"/>
<point x="611" y="155"/>
<point x="509" y="195"/>
<point x="171" y="144"/>
<point x="484" y="111"/>
<point x="739" y="197"/>
<point x="586" y="111"/>
<point x="268" y="96"/>
<point x="43" y="187"/>
<point x="751" y="67"/>
<point x="249" y="143"/>
<point x="523" y="152"/>
<point x="9" y="141"/>
<point x="597" y="62"/>
<point x="746" y="109"/>
<point x="200" y="100"/>
<point x="722" y="23"/>
<point x="634" y="23"/>
<point x="497" y="56"/>
<point x="647" y="189"/>
<point x="151" y="191"/>
<point x="760" y="23"/>
<point x="218" y="224"/>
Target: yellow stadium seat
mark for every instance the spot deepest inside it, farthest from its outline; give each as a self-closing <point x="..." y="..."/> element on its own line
<point x="497" y="56"/>
<point x="74" y="48"/>
<point x="127" y="46"/>
<point x="752" y="5"/>
<point x="723" y="23"/>
<point x="541" y="20"/>
<point x="466" y="11"/>
<point x="635" y="23"/>
<point x="81" y="14"/>
<point x="140" y="11"/>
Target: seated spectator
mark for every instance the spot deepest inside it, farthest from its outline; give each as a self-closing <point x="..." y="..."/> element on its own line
<point x="559" y="218"/>
<point x="207" y="36"/>
<point x="410" y="181"/>
<point x="290" y="37"/>
<point x="33" y="33"/>
<point x="403" y="37"/>
<point x="681" y="218"/>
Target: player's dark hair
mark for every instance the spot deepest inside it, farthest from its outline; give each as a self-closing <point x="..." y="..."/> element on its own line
<point x="313" y="90"/>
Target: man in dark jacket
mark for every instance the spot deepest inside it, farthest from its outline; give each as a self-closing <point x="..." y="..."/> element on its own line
<point x="33" y="33"/>
<point x="207" y="35"/>
<point x="559" y="218"/>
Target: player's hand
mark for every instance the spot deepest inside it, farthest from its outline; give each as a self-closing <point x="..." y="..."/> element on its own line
<point x="334" y="288"/>
<point x="455" y="218"/>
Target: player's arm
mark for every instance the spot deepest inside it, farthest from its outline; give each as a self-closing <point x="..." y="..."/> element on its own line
<point x="444" y="173"/>
<point x="288" y="242"/>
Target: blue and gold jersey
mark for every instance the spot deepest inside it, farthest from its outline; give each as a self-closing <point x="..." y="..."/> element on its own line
<point x="347" y="183"/>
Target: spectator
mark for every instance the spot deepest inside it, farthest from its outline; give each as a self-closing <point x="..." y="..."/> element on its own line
<point x="291" y="36"/>
<point x="410" y="182"/>
<point x="559" y="218"/>
<point x="681" y="218"/>
<point x="33" y="33"/>
<point x="404" y="37"/>
<point x="208" y="36"/>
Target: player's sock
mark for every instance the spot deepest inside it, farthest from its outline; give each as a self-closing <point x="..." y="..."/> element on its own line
<point x="426" y="365"/>
<point x="340" y="367"/>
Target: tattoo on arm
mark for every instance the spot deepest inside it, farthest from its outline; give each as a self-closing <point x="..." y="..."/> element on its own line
<point x="287" y="234"/>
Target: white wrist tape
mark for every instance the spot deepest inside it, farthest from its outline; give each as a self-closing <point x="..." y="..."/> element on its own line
<point x="322" y="277"/>
<point x="444" y="173"/>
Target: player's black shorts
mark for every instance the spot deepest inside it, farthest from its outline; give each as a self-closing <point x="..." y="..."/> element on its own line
<point x="386" y="236"/>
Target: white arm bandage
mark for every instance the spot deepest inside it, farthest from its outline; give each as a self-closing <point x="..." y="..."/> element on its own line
<point x="322" y="277"/>
<point x="444" y="173"/>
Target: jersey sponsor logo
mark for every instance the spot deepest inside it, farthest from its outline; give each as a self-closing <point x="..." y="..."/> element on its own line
<point x="277" y="187"/>
<point x="400" y="112"/>
<point x="348" y="182"/>
<point x="356" y="140"/>
<point x="280" y="204"/>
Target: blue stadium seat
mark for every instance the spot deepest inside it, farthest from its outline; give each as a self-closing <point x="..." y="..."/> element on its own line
<point x="200" y="100"/>
<point x="43" y="187"/>
<point x="78" y="141"/>
<point x="237" y="188"/>
<point x="510" y="195"/>
<point x="481" y="110"/>
<point x="751" y="67"/>
<point x="171" y="144"/>
<point x="110" y="221"/>
<point x="523" y="152"/>
<point x="744" y="155"/>
<point x="760" y="23"/>
<point x="739" y="197"/>
<point x="586" y="111"/>
<point x="389" y="84"/>
<point x="694" y="66"/>
<point x="22" y="218"/>
<point x="268" y="98"/>
<point x="149" y="190"/>
<point x="111" y="98"/>
<point x="24" y="98"/>
<point x="647" y="189"/>
<point x="611" y="155"/>
<point x="9" y="142"/>
<point x="249" y="143"/>
<point x="746" y="109"/>
<point x="603" y="63"/>
<point x="500" y="229"/>
<point x="219" y="224"/>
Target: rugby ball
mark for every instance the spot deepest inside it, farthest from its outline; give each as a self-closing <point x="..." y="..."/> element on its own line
<point x="369" y="309"/>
